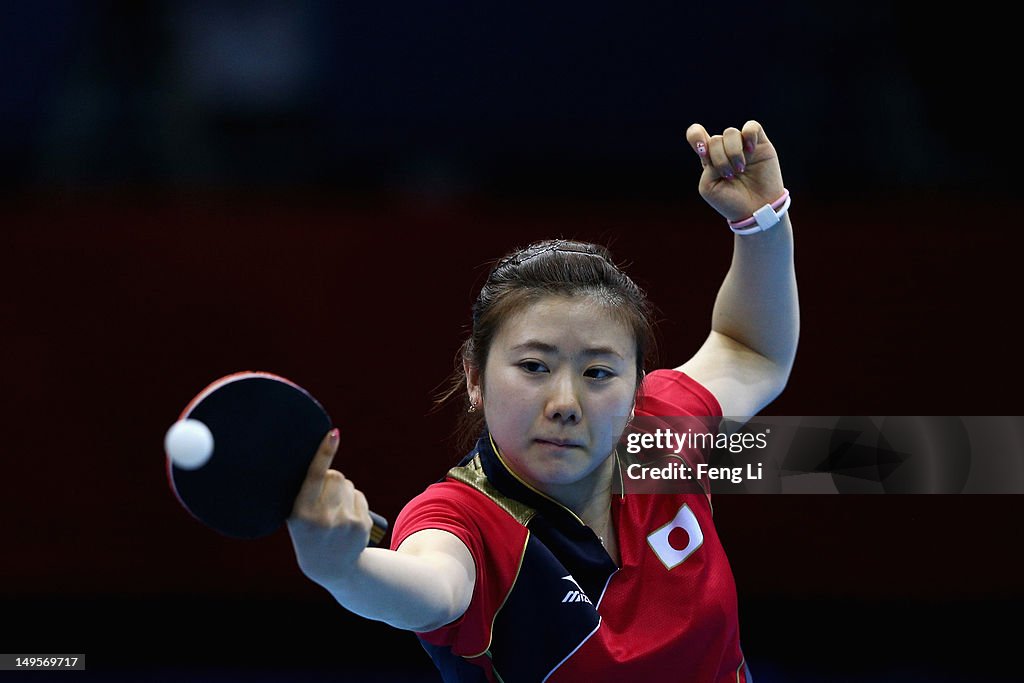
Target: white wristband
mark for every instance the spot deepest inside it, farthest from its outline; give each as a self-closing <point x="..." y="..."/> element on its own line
<point x="764" y="218"/>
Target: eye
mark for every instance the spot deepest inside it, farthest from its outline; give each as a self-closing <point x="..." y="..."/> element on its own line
<point x="599" y="373"/>
<point x="533" y="366"/>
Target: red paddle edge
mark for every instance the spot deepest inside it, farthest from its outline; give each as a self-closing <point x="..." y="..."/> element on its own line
<point x="213" y="386"/>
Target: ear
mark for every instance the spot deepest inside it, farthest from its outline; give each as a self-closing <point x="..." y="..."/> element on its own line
<point x="474" y="383"/>
<point x="632" y="411"/>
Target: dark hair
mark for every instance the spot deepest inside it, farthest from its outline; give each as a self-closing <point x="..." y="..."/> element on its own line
<point x="560" y="267"/>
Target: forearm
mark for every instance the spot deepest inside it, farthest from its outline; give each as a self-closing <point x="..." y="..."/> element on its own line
<point x="405" y="591"/>
<point x="757" y="304"/>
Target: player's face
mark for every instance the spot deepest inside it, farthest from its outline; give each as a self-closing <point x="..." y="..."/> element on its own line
<point x="558" y="389"/>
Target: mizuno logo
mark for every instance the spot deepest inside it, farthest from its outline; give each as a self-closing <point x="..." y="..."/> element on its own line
<point x="575" y="595"/>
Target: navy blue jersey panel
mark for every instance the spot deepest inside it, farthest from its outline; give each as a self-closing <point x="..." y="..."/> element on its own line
<point x="544" y="619"/>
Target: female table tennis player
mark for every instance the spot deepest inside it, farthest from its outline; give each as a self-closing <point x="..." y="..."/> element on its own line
<point x="524" y="564"/>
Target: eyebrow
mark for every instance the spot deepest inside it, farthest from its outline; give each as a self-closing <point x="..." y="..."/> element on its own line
<point x="537" y="345"/>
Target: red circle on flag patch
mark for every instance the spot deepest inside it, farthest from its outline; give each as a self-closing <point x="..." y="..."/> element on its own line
<point x="678" y="539"/>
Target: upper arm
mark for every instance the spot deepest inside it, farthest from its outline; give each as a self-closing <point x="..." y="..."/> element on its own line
<point x="741" y="379"/>
<point x="452" y="564"/>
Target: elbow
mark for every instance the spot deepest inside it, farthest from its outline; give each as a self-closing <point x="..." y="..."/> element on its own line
<point x="450" y="609"/>
<point x="779" y="375"/>
<point x="447" y="600"/>
<point x="784" y="363"/>
<point x="778" y="386"/>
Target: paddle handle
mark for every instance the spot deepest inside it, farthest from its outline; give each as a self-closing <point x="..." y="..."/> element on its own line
<point x="379" y="530"/>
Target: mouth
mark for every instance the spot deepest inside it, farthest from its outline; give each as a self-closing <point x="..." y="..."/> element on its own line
<point x="558" y="443"/>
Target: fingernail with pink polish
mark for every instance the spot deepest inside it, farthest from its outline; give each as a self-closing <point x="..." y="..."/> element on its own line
<point x="701" y="149"/>
<point x="740" y="167"/>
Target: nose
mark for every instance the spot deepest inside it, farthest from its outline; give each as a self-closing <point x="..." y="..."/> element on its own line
<point x="563" y="404"/>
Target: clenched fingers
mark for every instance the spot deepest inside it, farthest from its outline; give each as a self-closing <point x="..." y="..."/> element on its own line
<point x="727" y="154"/>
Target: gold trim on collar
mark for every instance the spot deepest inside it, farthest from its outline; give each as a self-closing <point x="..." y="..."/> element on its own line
<point x="472" y="474"/>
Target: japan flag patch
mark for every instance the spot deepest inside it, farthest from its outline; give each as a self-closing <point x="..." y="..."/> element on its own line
<point x="678" y="539"/>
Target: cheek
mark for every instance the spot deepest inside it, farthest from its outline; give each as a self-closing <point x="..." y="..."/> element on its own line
<point x="614" y="412"/>
<point x="516" y="408"/>
<point x="506" y="399"/>
<point x="616" y="402"/>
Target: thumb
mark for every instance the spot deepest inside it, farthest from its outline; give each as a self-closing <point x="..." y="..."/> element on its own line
<point x="316" y="475"/>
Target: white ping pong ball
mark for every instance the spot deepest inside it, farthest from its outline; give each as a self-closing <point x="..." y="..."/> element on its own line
<point x="189" y="444"/>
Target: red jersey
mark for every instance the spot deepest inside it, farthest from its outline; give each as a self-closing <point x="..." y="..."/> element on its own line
<point x="550" y="604"/>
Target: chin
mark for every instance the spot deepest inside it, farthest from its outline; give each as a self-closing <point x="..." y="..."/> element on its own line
<point x="561" y="472"/>
<point x="560" y="478"/>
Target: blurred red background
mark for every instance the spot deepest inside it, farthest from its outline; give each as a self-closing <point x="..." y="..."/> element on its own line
<point x="119" y="311"/>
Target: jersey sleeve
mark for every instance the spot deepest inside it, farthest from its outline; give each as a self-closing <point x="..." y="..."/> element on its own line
<point x="672" y="400"/>
<point x="673" y="392"/>
<point x="495" y="541"/>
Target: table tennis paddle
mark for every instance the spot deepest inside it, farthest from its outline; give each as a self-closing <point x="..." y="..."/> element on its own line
<point x="263" y="431"/>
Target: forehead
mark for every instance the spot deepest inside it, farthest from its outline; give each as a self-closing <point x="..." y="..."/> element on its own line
<point x="569" y="323"/>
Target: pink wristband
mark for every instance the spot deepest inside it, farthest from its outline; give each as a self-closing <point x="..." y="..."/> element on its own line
<point x="763" y="218"/>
